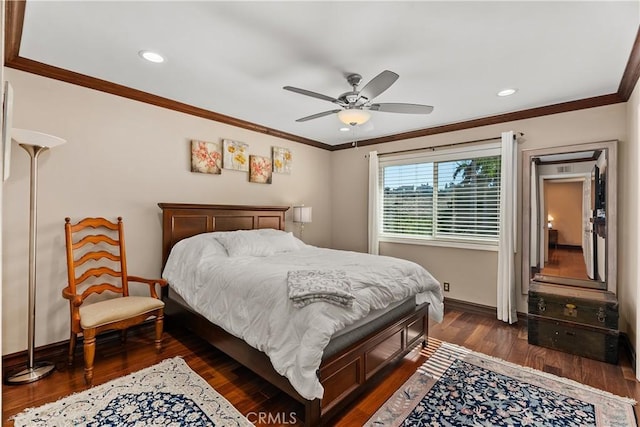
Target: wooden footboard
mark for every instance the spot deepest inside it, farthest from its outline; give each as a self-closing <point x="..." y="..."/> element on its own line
<point x="348" y="374"/>
<point x="344" y="376"/>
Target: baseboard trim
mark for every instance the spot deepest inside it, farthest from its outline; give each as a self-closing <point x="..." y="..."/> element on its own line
<point x="50" y="352"/>
<point x="626" y="346"/>
<point x="472" y="307"/>
<point x="571" y="247"/>
<point x="57" y="352"/>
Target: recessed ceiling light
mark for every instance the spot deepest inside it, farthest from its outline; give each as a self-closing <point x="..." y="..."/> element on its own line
<point x="151" y="56"/>
<point x="507" y="92"/>
<point x="344" y="129"/>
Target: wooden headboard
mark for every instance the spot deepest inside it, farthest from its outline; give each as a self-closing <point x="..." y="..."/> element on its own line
<point x="182" y="220"/>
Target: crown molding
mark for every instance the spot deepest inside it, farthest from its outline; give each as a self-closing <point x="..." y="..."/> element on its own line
<point x="563" y="107"/>
<point x="631" y="71"/>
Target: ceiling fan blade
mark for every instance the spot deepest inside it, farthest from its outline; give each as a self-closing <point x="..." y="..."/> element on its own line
<point x="311" y="94"/>
<point x="379" y="84"/>
<point x="394" y="107"/>
<point x="317" y="115"/>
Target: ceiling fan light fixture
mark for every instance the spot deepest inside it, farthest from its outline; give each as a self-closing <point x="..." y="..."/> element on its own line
<point x="354" y="116"/>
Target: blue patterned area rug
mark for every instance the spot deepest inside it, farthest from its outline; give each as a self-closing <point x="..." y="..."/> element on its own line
<point x="459" y="387"/>
<point x="168" y="393"/>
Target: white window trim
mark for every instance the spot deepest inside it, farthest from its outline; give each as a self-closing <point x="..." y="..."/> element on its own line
<point x="446" y="154"/>
<point x="441" y="242"/>
<point x="489" y="149"/>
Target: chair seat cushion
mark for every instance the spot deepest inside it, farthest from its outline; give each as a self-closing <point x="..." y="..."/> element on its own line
<point x="116" y="309"/>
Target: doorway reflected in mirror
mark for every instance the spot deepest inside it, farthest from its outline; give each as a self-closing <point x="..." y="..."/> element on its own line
<point x="563" y="202"/>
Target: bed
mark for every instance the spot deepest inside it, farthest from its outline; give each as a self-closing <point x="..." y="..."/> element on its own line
<point x="350" y="364"/>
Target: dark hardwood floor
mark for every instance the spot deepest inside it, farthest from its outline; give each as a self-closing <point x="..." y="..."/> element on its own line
<point x="249" y="394"/>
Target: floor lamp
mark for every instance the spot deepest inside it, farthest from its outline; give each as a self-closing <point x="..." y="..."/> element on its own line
<point x="35" y="143"/>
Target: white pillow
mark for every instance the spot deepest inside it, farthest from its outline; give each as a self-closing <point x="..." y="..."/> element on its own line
<point x="297" y="243"/>
<point x="259" y="243"/>
<point x="282" y="241"/>
<point x="202" y="244"/>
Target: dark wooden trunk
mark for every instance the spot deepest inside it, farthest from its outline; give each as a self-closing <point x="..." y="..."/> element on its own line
<point x="575" y="338"/>
<point x="575" y="320"/>
<point x="579" y="305"/>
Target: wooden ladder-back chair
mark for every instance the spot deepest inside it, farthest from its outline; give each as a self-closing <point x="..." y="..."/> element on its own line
<point x="104" y="256"/>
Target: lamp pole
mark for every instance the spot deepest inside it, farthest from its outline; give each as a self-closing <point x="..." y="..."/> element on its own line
<point x="34" y="143"/>
<point x="34" y="371"/>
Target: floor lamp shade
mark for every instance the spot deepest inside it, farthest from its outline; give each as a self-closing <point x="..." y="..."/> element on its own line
<point x="34" y="143"/>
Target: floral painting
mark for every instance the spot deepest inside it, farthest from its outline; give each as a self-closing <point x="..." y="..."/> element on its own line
<point x="206" y="157"/>
<point x="281" y="160"/>
<point x="260" y="169"/>
<point x="234" y="155"/>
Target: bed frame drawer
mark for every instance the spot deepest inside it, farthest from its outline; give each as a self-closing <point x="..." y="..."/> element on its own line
<point x="376" y="357"/>
<point x="416" y="331"/>
<point x="345" y="375"/>
<point x="345" y="378"/>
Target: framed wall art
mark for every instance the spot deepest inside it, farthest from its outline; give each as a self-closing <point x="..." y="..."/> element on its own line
<point x="282" y="160"/>
<point x="206" y="157"/>
<point x="234" y="155"/>
<point x="260" y="169"/>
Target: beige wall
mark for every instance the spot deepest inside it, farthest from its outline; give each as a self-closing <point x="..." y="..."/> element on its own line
<point x="472" y="273"/>
<point x="628" y="246"/>
<point x="122" y="158"/>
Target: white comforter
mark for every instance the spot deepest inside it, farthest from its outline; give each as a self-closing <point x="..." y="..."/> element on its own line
<point x="247" y="296"/>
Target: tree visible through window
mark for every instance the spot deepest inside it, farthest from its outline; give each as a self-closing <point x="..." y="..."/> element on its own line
<point x="454" y="199"/>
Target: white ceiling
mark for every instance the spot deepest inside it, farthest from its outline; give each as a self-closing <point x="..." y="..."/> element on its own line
<point x="233" y="58"/>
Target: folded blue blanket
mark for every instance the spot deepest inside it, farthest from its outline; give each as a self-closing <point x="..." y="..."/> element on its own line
<point x="308" y="286"/>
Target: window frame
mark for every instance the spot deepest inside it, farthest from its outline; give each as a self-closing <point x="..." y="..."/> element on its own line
<point x="435" y="155"/>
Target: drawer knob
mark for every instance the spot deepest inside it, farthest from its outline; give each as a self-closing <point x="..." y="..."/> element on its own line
<point x="602" y="316"/>
<point x="542" y="306"/>
<point x="571" y="306"/>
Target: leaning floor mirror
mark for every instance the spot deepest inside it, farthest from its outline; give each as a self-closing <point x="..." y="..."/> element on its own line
<point x="569" y="216"/>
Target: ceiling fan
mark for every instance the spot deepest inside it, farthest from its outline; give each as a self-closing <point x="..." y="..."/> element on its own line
<point x="355" y="103"/>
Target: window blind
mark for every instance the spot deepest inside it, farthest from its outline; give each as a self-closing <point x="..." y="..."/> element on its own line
<point x="449" y="195"/>
<point x="407" y="201"/>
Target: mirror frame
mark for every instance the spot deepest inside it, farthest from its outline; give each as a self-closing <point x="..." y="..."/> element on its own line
<point x="611" y="267"/>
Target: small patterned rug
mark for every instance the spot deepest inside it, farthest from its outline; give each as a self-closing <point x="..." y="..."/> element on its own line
<point x="168" y="393"/>
<point x="459" y="387"/>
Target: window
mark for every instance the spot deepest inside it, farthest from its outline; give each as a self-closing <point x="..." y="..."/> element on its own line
<point x="449" y="196"/>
